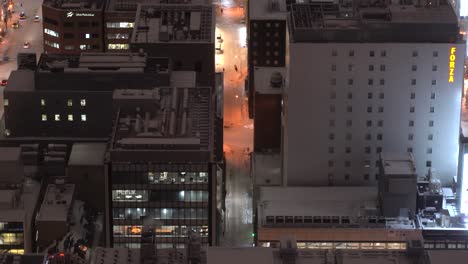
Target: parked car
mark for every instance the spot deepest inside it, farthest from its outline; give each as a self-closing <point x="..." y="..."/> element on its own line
<point x="15" y="24"/>
<point x="26" y="45"/>
<point x="3" y="82"/>
<point x="22" y="15"/>
<point x="37" y="19"/>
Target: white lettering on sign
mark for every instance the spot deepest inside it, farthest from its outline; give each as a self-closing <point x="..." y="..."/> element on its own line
<point x="84" y="14"/>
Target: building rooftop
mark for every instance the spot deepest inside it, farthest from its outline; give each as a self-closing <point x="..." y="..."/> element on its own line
<point x="316" y="201"/>
<point x="131" y="5"/>
<point x="309" y="256"/>
<point x="57" y="202"/>
<point x="270" y="80"/>
<point x="87" y="154"/>
<point x="79" y="5"/>
<point x="21" y="80"/>
<point x="398" y="163"/>
<point x="174" y="23"/>
<point x="8" y="154"/>
<point x="102" y="62"/>
<point x="163" y="118"/>
<point x="268" y="10"/>
<point x="360" y="21"/>
<point x="266" y="168"/>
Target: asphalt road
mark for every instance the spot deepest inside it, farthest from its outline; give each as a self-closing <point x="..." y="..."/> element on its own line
<point x="238" y="129"/>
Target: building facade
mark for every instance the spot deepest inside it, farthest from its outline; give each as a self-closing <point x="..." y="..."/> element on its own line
<point x="161" y="176"/>
<point x="371" y="91"/>
<point x="72" y="27"/>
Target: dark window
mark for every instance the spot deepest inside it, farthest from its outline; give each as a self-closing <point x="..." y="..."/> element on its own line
<point x="94" y="35"/>
<point x="94" y="46"/>
<point x="50" y="21"/>
<point x="84" y="24"/>
<point x="68" y="35"/>
<point x="68" y="24"/>
<point x="372" y="53"/>
<point x="94" y="24"/>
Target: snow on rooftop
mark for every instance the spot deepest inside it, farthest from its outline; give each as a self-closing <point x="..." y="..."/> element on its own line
<point x="269" y="80"/>
<point x="398" y="164"/>
<point x="266" y="10"/>
<point x="57" y="202"/>
<point x="319" y="201"/>
<point x="87" y="154"/>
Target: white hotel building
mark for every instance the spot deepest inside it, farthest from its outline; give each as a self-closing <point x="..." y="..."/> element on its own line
<point x="371" y="80"/>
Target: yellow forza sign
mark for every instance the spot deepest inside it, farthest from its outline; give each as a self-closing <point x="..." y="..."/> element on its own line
<point x="452" y="59"/>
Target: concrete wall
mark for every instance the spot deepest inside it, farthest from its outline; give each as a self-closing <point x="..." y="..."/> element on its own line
<point x="311" y="94"/>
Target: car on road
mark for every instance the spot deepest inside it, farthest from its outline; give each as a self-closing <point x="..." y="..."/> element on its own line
<point x="219" y="38"/>
<point x="3" y="82"/>
<point x="37" y="19"/>
<point x="26" y="45"/>
<point x="22" y="15"/>
<point x="15" y="24"/>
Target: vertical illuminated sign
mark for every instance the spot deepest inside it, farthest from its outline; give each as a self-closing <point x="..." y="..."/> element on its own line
<point x="452" y="59"/>
<point x="464" y="186"/>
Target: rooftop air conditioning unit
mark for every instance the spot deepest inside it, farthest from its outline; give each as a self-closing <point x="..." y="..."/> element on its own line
<point x="276" y="80"/>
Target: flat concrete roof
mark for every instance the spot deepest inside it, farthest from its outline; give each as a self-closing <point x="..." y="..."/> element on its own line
<point x="261" y="10"/>
<point x="20" y="80"/>
<point x="87" y="154"/>
<point x="316" y="201"/>
<point x="266" y="168"/>
<point x="8" y="154"/>
<point x="183" y="78"/>
<point x="448" y="256"/>
<point x="57" y="202"/>
<point x="262" y="79"/>
<point x="398" y="164"/>
<point x="240" y="255"/>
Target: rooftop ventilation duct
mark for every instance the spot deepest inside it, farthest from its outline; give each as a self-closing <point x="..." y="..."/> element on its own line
<point x="276" y="80"/>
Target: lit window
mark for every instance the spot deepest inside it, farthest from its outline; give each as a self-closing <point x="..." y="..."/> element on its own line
<point x="51" y="32"/>
<point x="57" y="117"/>
<point x="44" y="117"/>
<point x="70" y="117"/>
<point x="42" y="102"/>
<point x="83" y="102"/>
<point x="83" y="118"/>
<point x="118" y="46"/>
<point x="87" y="35"/>
<point x="70" y="102"/>
<point x="6" y="102"/>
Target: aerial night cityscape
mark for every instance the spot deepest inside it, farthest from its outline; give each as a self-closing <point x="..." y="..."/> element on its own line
<point x="233" y="131"/>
